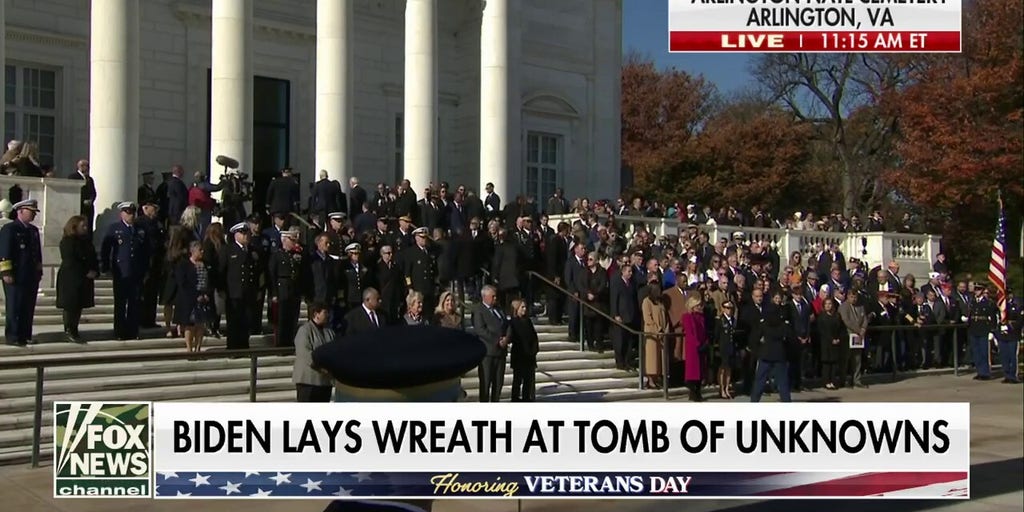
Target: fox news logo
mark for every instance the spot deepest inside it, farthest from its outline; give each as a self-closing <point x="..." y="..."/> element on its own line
<point x="101" y="449"/>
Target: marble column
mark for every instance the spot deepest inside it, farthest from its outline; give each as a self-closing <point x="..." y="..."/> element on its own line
<point x="499" y="100"/>
<point x="231" y="85"/>
<point x="114" y="102"/>
<point x="334" y="89"/>
<point x="420" y="114"/>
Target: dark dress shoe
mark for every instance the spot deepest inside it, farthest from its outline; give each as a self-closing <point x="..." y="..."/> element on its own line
<point x="16" y="343"/>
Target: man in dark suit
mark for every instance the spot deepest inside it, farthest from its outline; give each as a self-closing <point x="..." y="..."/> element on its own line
<point x="800" y="354"/>
<point x="491" y="324"/>
<point x="87" y="197"/>
<point x="492" y="201"/>
<point x="327" y="196"/>
<point x="324" y="277"/>
<point x="356" y="197"/>
<point x="751" y="322"/>
<point x="283" y="193"/>
<point x="556" y="254"/>
<point x="574" y="266"/>
<point x="366" y="317"/>
<point x="387" y="277"/>
<point x="623" y="309"/>
<point x="771" y="354"/>
<point x="177" y="195"/>
<point x="147" y="194"/>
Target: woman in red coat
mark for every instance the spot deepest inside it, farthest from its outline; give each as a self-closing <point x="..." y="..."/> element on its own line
<point x="696" y="343"/>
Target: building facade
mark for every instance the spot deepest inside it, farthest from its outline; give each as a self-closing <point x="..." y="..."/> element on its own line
<point x="524" y="94"/>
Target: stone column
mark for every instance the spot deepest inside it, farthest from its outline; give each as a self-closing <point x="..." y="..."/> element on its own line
<point x="114" y="102"/>
<point x="3" y="60"/>
<point x="231" y="85"/>
<point x="499" y="100"/>
<point x="420" y="115"/>
<point x="334" y="89"/>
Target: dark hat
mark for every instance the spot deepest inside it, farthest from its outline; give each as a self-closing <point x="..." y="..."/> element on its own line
<point x="400" y="363"/>
<point x="147" y="173"/>
<point x="151" y="202"/>
<point x="254" y="218"/>
<point x="280" y="215"/>
<point x="979" y="286"/>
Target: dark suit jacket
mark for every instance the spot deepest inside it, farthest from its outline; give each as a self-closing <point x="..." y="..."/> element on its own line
<point x="177" y="199"/>
<point x="556" y="253"/>
<point x="88" y="193"/>
<point x="505" y="265"/>
<point x="573" y="269"/>
<point x="327" y="197"/>
<point x="283" y="195"/>
<point x="800" y="320"/>
<point x="357" y="321"/>
<point x="623" y="300"/>
<point x="489" y="327"/>
<point x="356" y="199"/>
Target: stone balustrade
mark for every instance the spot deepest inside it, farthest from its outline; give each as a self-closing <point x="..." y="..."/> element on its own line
<point x="914" y="252"/>
<point x="58" y="201"/>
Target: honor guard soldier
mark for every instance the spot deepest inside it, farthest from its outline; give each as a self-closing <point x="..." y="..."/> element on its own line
<point x="396" y="364"/>
<point x="285" y="275"/>
<point x="981" y="323"/>
<point x="355" y="277"/>
<point x="21" y="268"/>
<point x="335" y="232"/>
<point x="125" y="255"/>
<point x="1009" y="335"/>
<point x="240" y="266"/>
<point x="156" y="238"/>
<point x="420" y="268"/>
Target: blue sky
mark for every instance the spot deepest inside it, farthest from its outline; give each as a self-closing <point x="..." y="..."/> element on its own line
<point x="645" y="28"/>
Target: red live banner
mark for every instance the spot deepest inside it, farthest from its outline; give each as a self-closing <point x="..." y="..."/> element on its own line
<point x="816" y="41"/>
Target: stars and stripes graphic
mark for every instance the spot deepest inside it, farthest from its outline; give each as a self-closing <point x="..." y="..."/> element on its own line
<point x="997" y="265"/>
<point x="422" y="485"/>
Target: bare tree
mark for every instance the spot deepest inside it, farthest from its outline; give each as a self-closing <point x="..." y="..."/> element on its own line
<point x="840" y="94"/>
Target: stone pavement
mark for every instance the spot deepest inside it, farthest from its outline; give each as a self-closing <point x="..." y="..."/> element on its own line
<point x="997" y="468"/>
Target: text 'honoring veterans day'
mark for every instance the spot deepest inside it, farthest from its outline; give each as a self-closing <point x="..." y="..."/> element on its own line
<point x="815" y="26"/>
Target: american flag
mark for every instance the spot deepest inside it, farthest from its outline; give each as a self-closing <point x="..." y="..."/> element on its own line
<point x="251" y="484"/>
<point x="997" y="265"/>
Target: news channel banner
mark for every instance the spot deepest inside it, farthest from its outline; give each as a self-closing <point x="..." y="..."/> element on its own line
<point x="517" y="451"/>
<point x="815" y="26"/>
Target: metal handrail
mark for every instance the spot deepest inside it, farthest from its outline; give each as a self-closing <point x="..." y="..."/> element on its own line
<point x="639" y="334"/>
<point x="40" y="364"/>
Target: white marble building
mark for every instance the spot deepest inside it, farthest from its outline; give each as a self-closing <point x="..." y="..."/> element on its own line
<point x="526" y="90"/>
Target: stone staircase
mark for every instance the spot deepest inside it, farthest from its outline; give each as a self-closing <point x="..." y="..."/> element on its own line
<point x="564" y="373"/>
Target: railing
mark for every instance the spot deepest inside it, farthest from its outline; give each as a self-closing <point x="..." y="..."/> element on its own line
<point x="664" y="336"/>
<point x="914" y="252"/>
<point x="41" y="364"/>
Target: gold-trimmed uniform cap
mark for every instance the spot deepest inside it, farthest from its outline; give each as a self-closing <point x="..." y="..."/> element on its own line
<point x="28" y="204"/>
<point x="406" y="218"/>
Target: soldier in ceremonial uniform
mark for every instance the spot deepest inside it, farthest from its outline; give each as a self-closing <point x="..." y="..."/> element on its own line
<point x="156" y="238"/>
<point x="125" y="255"/>
<point x="403" y="237"/>
<point x="21" y="268"/>
<point x="354" y="275"/>
<point x="420" y="268"/>
<point x="981" y="322"/>
<point x="398" y="364"/>
<point x="1009" y="335"/>
<point x="240" y="266"/>
<point x="285" y="278"/>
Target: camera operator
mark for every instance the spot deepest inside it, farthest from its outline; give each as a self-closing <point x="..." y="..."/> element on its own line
<point x="235" y="191"/>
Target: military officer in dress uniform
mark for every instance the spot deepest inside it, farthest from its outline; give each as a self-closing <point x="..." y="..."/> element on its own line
<point x="1009" y="335"/>
<point x="125" y="255"/>
<point x="21" y="268"/>
<point x="263" y="250"/>
<point x="285" y="276"/>
<point x="354" y="275"/>
<point x="981" y="322"/>
<point x="416" y="364"/>
<point x="336" y="232"/>
<point x="420" y="269"/>
<point x="156" y="238"/>
<point x="240" y="266"/>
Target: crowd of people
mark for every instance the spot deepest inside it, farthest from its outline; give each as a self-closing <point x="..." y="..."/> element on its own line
<point x="730" y="312"/>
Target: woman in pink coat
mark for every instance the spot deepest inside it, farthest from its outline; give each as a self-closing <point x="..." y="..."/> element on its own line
<point x="696" y="340"/>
